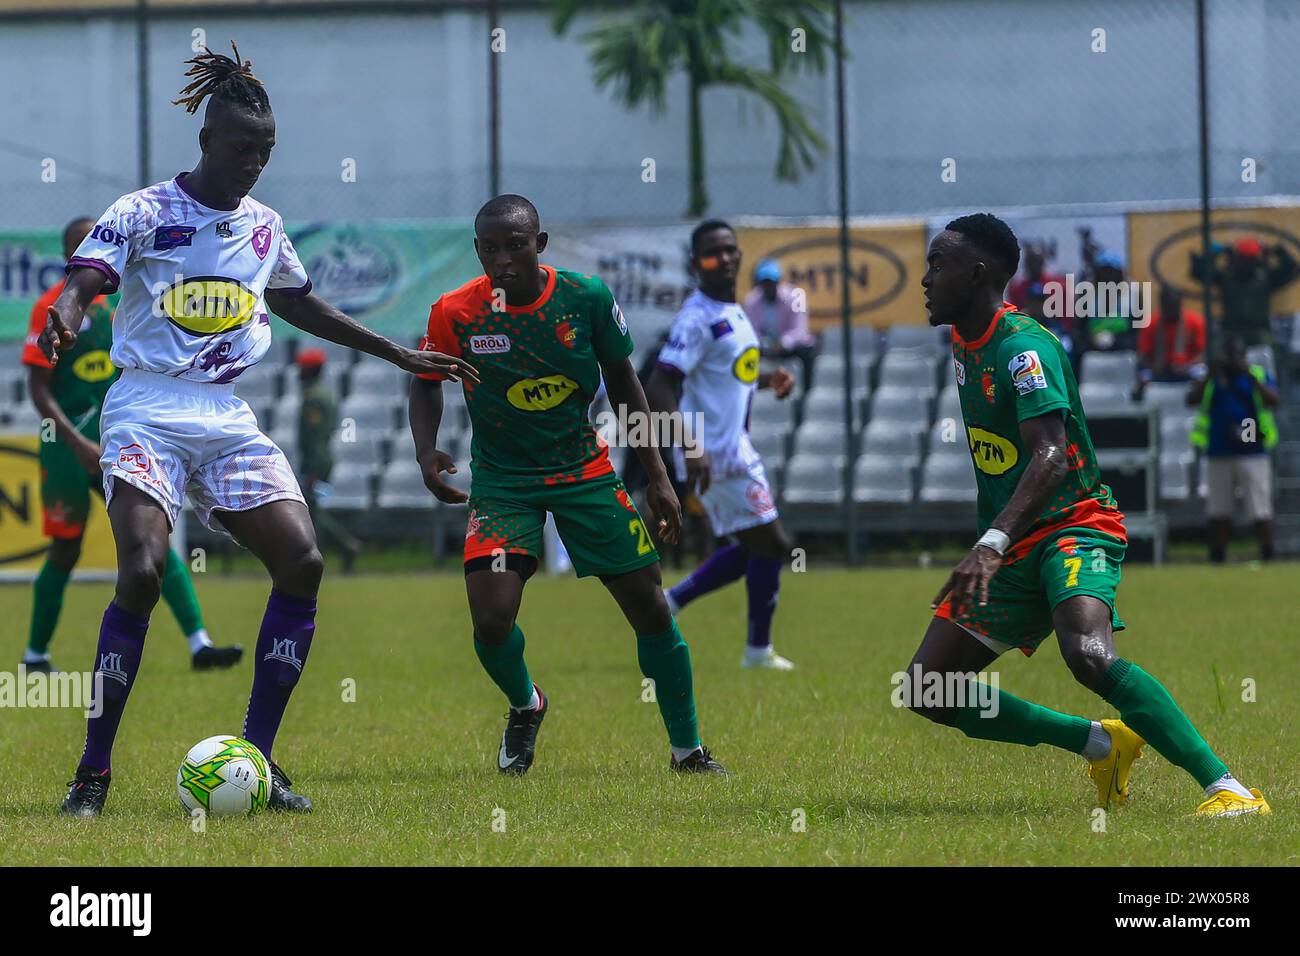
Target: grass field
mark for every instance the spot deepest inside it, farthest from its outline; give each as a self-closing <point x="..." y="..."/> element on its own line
<point x="406" y="773"/>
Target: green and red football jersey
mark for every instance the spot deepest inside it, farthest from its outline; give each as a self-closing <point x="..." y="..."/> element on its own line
<point x="539" y="367"/>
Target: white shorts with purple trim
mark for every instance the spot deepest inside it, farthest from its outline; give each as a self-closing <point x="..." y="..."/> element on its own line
<point x="739" y="502"/>
<point x="166" y="436"/>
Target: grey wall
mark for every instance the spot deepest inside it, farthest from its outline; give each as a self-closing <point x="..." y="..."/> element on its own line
<point x="1010" y="90"/>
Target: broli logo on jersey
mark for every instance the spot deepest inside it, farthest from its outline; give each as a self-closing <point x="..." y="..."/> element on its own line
<point x="540" y="394"/>
<point x="172" y="237"/>
<point x="93" y="366"/>
<point x="720" y="328"/>
<point x="745" y="367"/>
<point x="1027" y="372"/>
<point x="133" y="459"/>
<point x="617" y="315"/>
<point x="207" y="305"/>
<point x="993" y="454"/>
<point x="261" y="241"/>
<point x="489" y="344"/>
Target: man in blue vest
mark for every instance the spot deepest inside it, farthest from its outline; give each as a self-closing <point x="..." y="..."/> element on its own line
<point x="1235" y="432"/>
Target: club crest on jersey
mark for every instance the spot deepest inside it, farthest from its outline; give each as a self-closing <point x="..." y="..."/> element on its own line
<point x="961" y="372"/>
<point x="540" y="394"/>
<point x="745" y="367"/>
<point x="489" y="344"/>
<point x="261" y="240"/>
<point x="172" y="237"/>
<point x="1027" y="372"/>
<point x="987" y="384"/>
<point x="993" y="454"/>
<point x="567" y="334"/>
<point x="207" y="305"/>
<point x="133" y="459"/>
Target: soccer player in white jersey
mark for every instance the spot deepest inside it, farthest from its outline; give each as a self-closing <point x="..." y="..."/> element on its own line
<point x="199" y="263"/>
<point x="710" y="367"/>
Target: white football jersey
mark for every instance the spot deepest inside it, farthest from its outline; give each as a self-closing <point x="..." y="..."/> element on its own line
<point x="193" y="280"/>
<point x="713" y="346"/>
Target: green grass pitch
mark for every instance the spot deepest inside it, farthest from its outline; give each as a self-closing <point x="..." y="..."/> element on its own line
<point x="406" y="774"/>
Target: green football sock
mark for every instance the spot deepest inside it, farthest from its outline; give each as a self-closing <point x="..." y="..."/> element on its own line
<point x="666" y="660"/>
<point x="178" y="592"/>
<point x="47" y="602"/>
<point x="1148" y="708"/>
<point x="505" y="665"/>
<point x="1018" y="721"/>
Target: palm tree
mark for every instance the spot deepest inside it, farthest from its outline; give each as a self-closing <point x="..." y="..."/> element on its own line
<point x="643" y="42"/>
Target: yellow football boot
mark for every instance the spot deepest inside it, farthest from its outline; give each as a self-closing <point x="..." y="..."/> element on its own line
<point x="1111" y="772"/>
<point x="1225" y="803"/>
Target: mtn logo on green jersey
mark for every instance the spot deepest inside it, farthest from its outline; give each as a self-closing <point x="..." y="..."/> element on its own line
<point x="93" y="366"/>
<point x="993" y="454"/>
<point x="540" y="394"/>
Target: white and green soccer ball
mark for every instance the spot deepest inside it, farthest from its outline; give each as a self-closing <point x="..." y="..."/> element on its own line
<point x="224" y="776"/>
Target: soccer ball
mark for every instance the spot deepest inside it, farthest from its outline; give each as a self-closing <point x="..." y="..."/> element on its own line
<point x="224" y="776"/>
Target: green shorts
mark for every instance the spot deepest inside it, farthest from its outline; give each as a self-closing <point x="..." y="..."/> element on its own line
<point x="65" y="485"/>
<point x="1022" y="595"/>
<point x="596" y="519"/>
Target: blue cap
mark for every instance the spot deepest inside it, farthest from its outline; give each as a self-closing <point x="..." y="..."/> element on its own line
<point x="768" y="271"/>
<point x="1111" y="260"/>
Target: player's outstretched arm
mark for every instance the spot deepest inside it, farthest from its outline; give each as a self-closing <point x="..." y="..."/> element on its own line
<point x="663" y="391"/>
<point x="38" y="386"/>
<point x="425" y="411"/>
<point x="65" y="315"/>
<point x="1044" y="436"/>
<point x="314" y="315"/>
<point x="625" y="391"/>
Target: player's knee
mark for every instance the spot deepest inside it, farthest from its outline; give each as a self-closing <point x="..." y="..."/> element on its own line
<point x="493" y="627"/>
<point x="64" y="553"/>
<point x="1088" y="660"/>
<point x="300" y="570"/>
<point x="139" y="582"/>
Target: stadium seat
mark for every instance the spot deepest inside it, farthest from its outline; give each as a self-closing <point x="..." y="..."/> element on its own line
<point x="259" y="389"/>
<point x="1166" y="396"/>
<point x="402" y="486"/>
<point x="369" y="413"/>
<point x="1175" y="475"/>
<point x="949" y="404"/>
<point x="864" y="339"/>
<point x="829" y="370"/>
<point x="369" y="446"/>
<point x="1111" y="368"/>
<point x="911" y="370"/>
<point x="1106" y="397"/>
<point x="23" y="417"/>
<point x="768" y="409"/>
<point x="882" y="479"/>
<point x="885" y="439"/>
<point x="351" y="487"/>
<point x="820" y="438"/>
<point x="948" y="438"/>
<point x="769" y="440"/>
<point x="920" y="338"/>
<point x="1175" y="432"/>
<point x="948" y="479"/>
<point x="813" y="480"/>
<point x="825" y="404"/>
<point x="902" y="405"/>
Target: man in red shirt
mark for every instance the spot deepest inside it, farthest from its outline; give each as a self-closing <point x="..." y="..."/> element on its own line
<point x="1170" y="348"/>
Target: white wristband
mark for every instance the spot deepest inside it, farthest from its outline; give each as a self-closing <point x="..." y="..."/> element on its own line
<point x="995" y="540"/>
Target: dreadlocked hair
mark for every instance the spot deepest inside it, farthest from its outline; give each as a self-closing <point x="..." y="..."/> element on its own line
<point x="224" y="79"/>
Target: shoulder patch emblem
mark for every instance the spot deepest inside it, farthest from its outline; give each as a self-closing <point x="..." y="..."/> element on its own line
<point x="1027" y="372"/>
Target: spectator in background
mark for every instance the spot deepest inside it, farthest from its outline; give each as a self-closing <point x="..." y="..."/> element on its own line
<point x="1029" y="292"/>
<point x="1235" y="431"/>
<point x="1172" y="346"/>
<point x="1112" y="332"/>
<point x="318" y="419"/>
<point x="1246" y="276"/>
<point x="779" y="313"/>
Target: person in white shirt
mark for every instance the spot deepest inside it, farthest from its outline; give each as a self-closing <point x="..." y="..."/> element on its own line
<point x="199" y="264"/>
<point x="710" y="367"/>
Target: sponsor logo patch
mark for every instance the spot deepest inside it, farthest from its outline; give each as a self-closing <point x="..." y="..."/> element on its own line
<point x="759" y="497"/>
<point x="621" y="322"/>
<point x="224" y="230"/>
<point x="540" y="394"/>
<point x="489" y="344"/>
<point x="207" y="305"/>
<point x="172" y="237"/>
<point x="93" y="366"/>
<point x="745" y="367"/>
<point x="961" y="372"/>
<point x="1027" y="372"/>
<point x="720" y="328"/>
<point x="993" y="454"/>
<point x="133" y="459"/>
